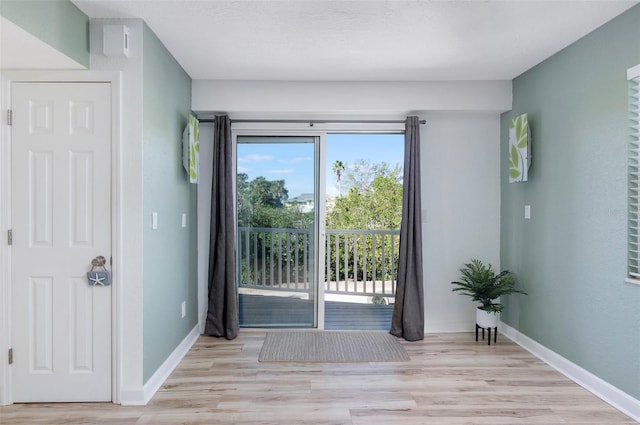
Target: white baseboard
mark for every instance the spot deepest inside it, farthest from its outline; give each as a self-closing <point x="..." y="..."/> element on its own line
<point x="615" y="397"/>
<point x="132" y="397"/>
<point x="444" y="326"/>
<point x="155" y="382"/>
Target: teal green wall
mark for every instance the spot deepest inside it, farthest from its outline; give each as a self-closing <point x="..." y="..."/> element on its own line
<point x="571" y="255"/>
<point x="59" y="23"/>
<point x="169" y="253"/>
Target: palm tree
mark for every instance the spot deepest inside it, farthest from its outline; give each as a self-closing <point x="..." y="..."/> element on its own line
<point x="338" y="168"/>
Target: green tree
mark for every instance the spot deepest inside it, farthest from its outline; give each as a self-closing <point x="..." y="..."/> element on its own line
<point x="374" y="199"/>
<point x="362" y="174"/>
<point x="338" y="169"/>
<point x="261" y="202"/>
<point x="373" y="202"/>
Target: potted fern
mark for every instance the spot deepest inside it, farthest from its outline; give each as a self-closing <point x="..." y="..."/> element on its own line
<point x="483" y="285"/>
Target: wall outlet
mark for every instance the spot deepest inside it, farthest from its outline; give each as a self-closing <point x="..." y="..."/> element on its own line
<point x="184" y="309"/>
<point x="184" y="220"/>
<point x="527" y="212"/>
<point x="154" y="220"/>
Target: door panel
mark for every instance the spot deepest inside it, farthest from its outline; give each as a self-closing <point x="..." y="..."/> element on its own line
<point x="61" y="220"/>
<point x="277" y="228"/>
<point x="40" y="203"/>
<point x="40" y="322"/>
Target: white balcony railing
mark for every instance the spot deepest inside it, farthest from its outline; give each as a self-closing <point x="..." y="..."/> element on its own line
<point x="362" y="262"/>
<point x="358" y="262"/>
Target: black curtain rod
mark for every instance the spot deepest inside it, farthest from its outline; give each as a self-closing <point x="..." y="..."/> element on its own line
<point x="312" y="122"/>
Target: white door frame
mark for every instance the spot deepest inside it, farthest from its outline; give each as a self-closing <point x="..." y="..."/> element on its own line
<point x="6" y="80"/>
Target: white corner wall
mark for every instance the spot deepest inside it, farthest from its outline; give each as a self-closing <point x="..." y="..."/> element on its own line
<point x="460" y="163"/>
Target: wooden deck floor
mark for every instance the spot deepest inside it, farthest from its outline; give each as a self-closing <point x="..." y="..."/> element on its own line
<point x="268" y="311"/>
<point x="450" y="379"/>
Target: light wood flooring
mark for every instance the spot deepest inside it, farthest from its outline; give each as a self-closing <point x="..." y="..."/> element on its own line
<point x="450" y="379"/>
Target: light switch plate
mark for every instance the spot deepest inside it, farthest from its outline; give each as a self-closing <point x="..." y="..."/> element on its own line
<point x="154" y="220"/>
<point x="527" y="212"/>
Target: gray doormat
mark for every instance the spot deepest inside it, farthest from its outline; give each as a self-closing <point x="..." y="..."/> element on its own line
<point x="331" y="347"/>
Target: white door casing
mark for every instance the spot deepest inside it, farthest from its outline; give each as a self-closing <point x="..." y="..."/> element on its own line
<point x="61" y="220"/>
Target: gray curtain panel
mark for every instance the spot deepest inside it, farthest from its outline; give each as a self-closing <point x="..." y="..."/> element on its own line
<point x="408" y="312"/>
<point x="222" y="315"/>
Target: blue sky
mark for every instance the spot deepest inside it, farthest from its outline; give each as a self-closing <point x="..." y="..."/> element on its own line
<point x="293" y="162"/>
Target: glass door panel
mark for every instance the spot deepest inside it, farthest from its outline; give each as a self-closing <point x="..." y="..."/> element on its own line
<point x="276" y="185"/>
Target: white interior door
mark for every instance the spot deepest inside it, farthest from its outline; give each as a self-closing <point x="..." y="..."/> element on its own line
<point x="61" y="220"/>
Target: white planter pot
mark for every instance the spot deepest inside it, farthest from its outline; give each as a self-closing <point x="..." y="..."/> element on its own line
<point x="485" y="319"/>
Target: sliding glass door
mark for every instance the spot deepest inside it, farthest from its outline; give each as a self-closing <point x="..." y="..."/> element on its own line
<point x="276" y="199"/>
<point x="318" y="221"/>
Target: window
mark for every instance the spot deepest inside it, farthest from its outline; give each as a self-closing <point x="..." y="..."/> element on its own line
<point x="633" y="231"/>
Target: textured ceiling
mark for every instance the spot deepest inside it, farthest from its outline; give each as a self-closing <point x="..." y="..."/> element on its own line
<point x="361" y="40"/>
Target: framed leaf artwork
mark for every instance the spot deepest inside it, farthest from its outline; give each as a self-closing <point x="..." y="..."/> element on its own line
<point x="191" y="149"/>
<point x="519" y="149"/>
